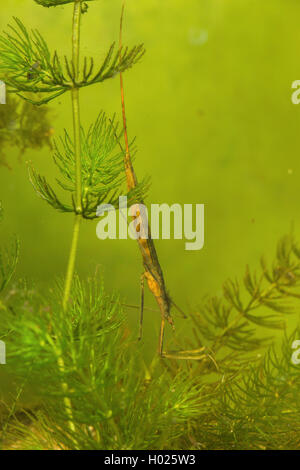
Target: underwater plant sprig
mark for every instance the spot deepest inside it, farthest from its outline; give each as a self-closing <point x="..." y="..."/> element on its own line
<point x="101" y="172"/>
<point x="55" y="3"/>
<point x="30" y="67"/>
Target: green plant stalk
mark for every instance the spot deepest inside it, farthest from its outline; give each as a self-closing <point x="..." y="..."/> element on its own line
<point x="71" y="262"/>
<point x="77" y="143"/>
<point x="75" y="102"/>
<point x="67" y="401"/>
<point x="78" y="191"/>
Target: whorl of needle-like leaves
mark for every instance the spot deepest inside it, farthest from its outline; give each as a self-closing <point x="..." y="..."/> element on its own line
<point x="259" y="410"/>
<point x="55" y="3"/>
<point x="102" y="170"/>
<point x="228" y="322"/>
<point x="30" y="67"/>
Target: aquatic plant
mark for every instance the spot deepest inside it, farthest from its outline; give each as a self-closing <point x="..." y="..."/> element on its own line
<point x="90" y="163"/>
<point x="24" y="126"/>
<point x="239" y="391"/>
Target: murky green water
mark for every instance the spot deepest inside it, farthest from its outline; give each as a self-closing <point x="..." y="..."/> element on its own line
<point x="211" y="107"/>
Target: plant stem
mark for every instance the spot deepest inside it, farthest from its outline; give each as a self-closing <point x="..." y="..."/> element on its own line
<point x="78" y="193"/>
<point x="77" y="150"/>
<point x="75" y="102"/>
<point x="71" y="262"/>
<point x="67" y="400"/>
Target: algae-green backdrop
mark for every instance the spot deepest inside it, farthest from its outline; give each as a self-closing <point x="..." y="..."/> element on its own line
<point x="210" y="104"/>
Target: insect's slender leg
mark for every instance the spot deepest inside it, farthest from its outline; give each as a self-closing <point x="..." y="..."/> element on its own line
<point x="161" y="335"/>
<point x="142" y="305"/>
<point x="179" y="309"/>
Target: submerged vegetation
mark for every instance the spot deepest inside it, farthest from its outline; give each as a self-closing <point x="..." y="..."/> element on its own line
<point x="24" y="126"/>
<point x="232" y="390"/>
<point x="229" y="385"/>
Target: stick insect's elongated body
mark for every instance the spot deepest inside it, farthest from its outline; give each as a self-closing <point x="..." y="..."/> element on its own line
<point x="152" y="269"/>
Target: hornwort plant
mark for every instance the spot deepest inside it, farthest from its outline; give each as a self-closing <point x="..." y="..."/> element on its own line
<point x="89" y="164"/>
<point x="69" y="348"/>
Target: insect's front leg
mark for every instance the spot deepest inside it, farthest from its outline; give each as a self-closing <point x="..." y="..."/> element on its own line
<point x="161" y="336"/>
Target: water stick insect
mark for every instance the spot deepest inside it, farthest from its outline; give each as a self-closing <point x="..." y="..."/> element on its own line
<point x="153" y="273"/>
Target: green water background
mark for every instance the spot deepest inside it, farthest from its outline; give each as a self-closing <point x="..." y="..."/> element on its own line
<point x="210" y="104"/>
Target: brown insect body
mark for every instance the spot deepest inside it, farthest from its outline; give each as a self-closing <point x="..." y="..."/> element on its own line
<point x="154" y="276"/>
<point x="153" y="272"/>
